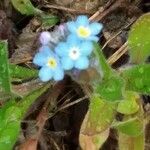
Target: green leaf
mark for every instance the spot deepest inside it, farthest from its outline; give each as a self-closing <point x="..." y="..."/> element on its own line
<point x="48" y="20"/>
<point x="126" y="142"/>
<point x="111" y="86"/>
<point x="22" y="72"/>
<point x="101" y="114"/>
<point x="93" y="141"/>
<point x="95" y="127"/>
<point x="132" y="127"/>
<point x="137" y="78"/>
<point x="139" y="39"/>
<point x="111" y="89"/>
<point x="9" y="135"/>
<point x="104" y="68"/>
<point x="25" y="103"/>
<point x="129" y="104"/>
<point x="11" y="115"/>
<point x="25" y="7"/>
<point x="4" y="67"/>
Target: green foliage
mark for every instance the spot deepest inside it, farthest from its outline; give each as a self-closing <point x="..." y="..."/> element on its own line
<point x="96" y="125"/>
<point x="25" y="7"/>
<point x="48" y="20"/>
<point x="131" y="127"/>
<point x="129" y="104"/>
<point x="104" y="68"/>
<point x="11" y="115"/>
<point x="93" y="141"/>
<point x="126" y="142"/>
<point x="101" y="114"/>
<point x="22" y="72"/>
<point x="137" y="78"/>
<point x="112" y="85"/>
<point x="111" y="89"/>
<point x="4" y="68"/>
<point x="139" y="39"/>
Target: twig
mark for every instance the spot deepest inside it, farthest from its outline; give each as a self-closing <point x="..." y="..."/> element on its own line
<point x="117" y="4"/>
<point x="117" y="34"/>
<point x="67" y="9"/>
<point x="122" y="50"/>
<point x="101" y="10"/>
<point x="72" y="103"/>
<point x="111" y="39"/>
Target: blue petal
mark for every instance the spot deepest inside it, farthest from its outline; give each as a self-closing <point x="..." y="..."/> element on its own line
<point x="39" y="59"/>
<point x="58" y="74"/>
<point x="93" y="38"/>
<point x="86" y="48"/>
<point x="62" y="49"/>
<point x="95" y="28"/>
<point x="82" y="63"/>
<point x="45" y="74"/>
<point x="73" y="40"/>
<point x="82" y="21"/>
<point x="71" y="26"/>
<point x="67" y="63"/>
<point x="46" y="50"/>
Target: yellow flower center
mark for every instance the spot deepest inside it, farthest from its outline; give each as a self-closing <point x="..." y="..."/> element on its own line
<point x="83" y="32"/>
<point x="52" y="63"/>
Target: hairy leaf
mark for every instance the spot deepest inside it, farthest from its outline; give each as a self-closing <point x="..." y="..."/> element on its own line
<point x="11" y="115"/>
<point x="25" y="7"/>
<point x="103" y="66"/>
<point x="129" y="104"/>
<point x="132" y="127"/>
<point x="95" y="127"/>
<point x="111" y="89"/>
<point x="131" y="143"/>
<point x="139" y="39"/>
<point x="48" y="20"/>
<point x="22" y="72"/>
<point x="138" y="78"/>
<point x="4" y="67"/>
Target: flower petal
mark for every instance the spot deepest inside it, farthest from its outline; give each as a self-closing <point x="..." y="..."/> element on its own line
<point x="45" y="38"/>
<point x="39" y="59"/>
<point x="82" y="63"/>
<point x="45" y="50"/>
<point x="71" y="26"/>
<point x="95" y="28"/>
<point x="86" y="48"/>
<point x="58" y="74"/>
<point x="45" y="74"/>
<point x="73" y="40"/>
<point x="67" y="63"/>
<point x="62" y="49"/>
<point x="93" y="38"/>
<point x="82" y="21"/>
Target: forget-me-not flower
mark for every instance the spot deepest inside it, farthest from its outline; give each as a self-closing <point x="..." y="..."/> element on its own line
<point x="83" y="29"/>
<point x="50" y="65"/>
<point x="74" y="53"/>
<point x="45" y="38"/>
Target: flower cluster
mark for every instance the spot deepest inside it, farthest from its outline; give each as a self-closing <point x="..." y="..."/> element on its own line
<point x="71" y="48"/>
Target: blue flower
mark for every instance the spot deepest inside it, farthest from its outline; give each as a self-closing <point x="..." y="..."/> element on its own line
<point x="50" y="65"/>
<point x="83" y="29"/>
<point x="45" y="38"/>
<point x="74" y="53"/>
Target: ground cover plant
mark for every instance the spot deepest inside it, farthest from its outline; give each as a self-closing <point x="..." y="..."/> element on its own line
<point x="74" y="75"/>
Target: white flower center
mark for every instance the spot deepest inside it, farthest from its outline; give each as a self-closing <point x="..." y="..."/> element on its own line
<point x="74" y="53"/>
